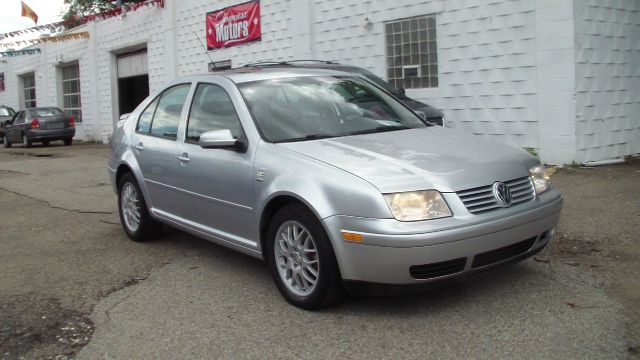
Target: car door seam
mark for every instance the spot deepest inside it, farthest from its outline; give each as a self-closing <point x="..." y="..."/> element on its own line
<point x="224" y="202"/>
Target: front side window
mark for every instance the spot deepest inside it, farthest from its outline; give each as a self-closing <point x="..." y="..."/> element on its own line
<point x="212" y="109"/>
<point x="412" y="52"/>
<point x="71" y="91"/>
<point x="167" y="115"/>
<point x="306" y="108"/>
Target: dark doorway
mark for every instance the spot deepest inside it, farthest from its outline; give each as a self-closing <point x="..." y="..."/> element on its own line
<point x="132" y="90"/>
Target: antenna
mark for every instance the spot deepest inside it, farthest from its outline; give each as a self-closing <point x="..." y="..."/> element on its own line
<point x="205" y="50"/>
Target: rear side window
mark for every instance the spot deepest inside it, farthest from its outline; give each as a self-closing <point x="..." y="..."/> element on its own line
<point x="162" y="115"/>
<point x="167" y="116"/>
<point x="20" y="118"/>
<point x="144" y="122"/>
<point x="212" y="109"/>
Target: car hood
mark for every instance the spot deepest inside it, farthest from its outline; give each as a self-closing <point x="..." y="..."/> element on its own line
<point x="448" y="160"/>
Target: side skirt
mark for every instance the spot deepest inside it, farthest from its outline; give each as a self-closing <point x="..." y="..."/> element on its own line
<point x="237" y="243"/>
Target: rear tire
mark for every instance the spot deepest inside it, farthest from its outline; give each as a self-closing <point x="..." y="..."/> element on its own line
<point x="26" y="142"/>
<point x="6" y="142"/>
<point x="294" y="259"/>
<point x="134" y="214"/>
<point x="68" y="141"/>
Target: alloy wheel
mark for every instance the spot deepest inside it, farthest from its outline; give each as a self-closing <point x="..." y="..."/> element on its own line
<point x="296" y="258"/>
<point x="130" y="207"/>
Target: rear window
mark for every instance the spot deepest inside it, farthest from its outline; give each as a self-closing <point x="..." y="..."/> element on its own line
<point x="46" y="112"/>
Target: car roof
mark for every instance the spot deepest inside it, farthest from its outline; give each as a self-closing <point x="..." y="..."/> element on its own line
<point x="43" y="108"/>
<point x="256" y="73"/>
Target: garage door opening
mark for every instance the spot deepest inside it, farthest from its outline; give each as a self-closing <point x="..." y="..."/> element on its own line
<point x="132" y="91"/>
<point x="133" y="80"/>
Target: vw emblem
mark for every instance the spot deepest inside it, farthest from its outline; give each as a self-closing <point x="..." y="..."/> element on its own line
<point x="502" y="194"/>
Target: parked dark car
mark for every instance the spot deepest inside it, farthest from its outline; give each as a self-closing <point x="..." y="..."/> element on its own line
<point x="432" y="114"/>
<point x="6" y="114"/>
<point x="42" y="124"/>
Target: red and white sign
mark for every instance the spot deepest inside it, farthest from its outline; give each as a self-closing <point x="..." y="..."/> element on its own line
<point x="234" y="25"/>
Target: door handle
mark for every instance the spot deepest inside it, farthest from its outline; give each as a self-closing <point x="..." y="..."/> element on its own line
<point x="139" y="147"/>
<point x="183" y="158"/>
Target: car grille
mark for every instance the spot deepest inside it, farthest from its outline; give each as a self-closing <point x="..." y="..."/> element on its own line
<point x="433" y="270"/>
<point x="497" y="255"/>
<point x="481" y="199"/>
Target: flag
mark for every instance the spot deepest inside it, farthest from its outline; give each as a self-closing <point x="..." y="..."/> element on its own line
<point x="27" y="12"/>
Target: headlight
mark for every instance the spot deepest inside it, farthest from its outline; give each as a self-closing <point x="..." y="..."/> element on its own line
<point x="540" y="179"/>
<point x="417" y="205"/>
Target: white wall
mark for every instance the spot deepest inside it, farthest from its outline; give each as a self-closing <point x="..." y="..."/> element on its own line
<point x="518" y="71"/>
<point x="607" y="79"/>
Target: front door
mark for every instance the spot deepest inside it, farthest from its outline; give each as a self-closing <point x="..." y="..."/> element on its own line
<point x="216" y="183"/>
<point x="155" y="146"/>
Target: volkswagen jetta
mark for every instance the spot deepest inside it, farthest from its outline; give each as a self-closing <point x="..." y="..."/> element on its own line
<point x="330" y="179"/>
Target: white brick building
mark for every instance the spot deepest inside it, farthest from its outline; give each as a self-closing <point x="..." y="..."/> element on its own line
<point x="560" y="76"/>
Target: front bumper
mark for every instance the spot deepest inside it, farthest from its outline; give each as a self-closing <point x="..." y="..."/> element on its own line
<point x="50" y="135"/>
<point x="393" y="258"/>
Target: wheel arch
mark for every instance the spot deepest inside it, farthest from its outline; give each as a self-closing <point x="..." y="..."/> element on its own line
<point x="273" y="205"/>
<point x="122" y="169"/>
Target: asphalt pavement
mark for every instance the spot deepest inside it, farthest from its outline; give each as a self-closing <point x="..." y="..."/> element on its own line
<point x="73" y="286"/>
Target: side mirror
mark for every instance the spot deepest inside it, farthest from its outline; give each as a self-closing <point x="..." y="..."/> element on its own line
<point x="217" y="139"/>
<point x="400" y="91"/>
<point x="421" y="114"/>
<point x="124" y="116"/>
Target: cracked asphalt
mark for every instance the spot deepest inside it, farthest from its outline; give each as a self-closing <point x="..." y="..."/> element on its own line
<point x="73" y="286"/>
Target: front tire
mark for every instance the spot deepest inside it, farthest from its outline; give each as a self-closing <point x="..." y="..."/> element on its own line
<point x="7" y="144"/>
<point x="301" y="259"/>
<point x="134" y="214"/>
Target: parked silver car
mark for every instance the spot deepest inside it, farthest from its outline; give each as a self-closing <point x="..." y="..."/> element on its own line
<point x="332" y="181"/>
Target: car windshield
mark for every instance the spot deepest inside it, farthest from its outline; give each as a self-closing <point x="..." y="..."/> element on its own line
<point x="6" y="112"/>
<point x="46" y="112"/>
<point x="314" y="107"/>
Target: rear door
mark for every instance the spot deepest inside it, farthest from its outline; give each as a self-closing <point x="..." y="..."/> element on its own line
<point x="14" y="131"/>
<point x="155" y="147"/>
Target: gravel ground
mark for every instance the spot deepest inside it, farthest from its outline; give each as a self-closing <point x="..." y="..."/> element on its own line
<point x="72" y="285"/>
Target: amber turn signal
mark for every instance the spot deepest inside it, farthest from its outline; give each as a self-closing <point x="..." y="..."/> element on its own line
<point x="349" y="236"/>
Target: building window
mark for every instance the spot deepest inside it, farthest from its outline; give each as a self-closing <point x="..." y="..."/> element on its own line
<point x="29" y="89"/>
<point x="71" y="91"/>
<point x="412" y="52"/>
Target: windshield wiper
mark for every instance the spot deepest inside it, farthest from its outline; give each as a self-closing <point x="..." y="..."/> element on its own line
<point x="306" y="137"/>
<point x="380" y="129"/>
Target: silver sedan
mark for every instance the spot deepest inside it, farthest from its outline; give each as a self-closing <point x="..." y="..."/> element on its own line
<point x="330" y="179"/>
